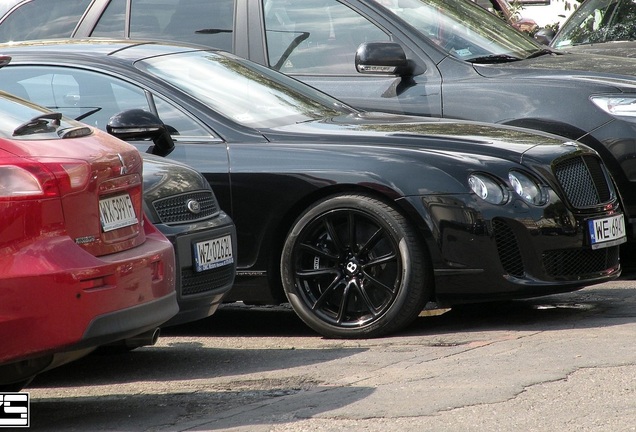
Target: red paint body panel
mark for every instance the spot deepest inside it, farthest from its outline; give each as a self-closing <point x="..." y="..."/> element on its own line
<point x="46" y="294"/>
<point x="68" y="280"/>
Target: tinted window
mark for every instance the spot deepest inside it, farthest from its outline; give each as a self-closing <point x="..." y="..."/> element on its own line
<point x="41" y="19"/>
<point x="315" y="36"/>
<point x="206" y="22"/>
<point x="247" y="93"/>
<point x="599" y="21"/>
<point x="112" y="23"/>
<point x="16" y="115"/>
<point x="82" y="95"/>
<point x="90" y="97"/>
<point x="462" y="29"/>
<point x="499" y="7"/>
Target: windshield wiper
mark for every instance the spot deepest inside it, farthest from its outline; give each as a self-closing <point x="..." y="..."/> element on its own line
<point x="541" y="52"/>
<point x="292" y="46"/>
<point x="212" y="31"/>
<point x="494" y="58"/>
<point x="88" y="113"/>
<point x="39" y="124"/>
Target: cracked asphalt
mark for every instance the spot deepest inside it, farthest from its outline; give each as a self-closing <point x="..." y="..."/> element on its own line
<point x="560" y="363"/>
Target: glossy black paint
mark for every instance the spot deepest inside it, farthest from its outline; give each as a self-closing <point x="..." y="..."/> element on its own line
<point x="125" y="127"/>
<point x="550" y="93"/>
<point x="382" y="55"/>
<point x="265" y="178"/>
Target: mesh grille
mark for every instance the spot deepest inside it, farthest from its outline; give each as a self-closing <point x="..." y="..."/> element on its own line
<point x="508" y="249"/>
<point x="175" y="209"/>
<point x="575" y="262"/>
<point x="195" y="283"/>
<point x="584" y="182"/>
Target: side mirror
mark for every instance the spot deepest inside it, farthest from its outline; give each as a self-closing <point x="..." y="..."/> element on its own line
<point x="137" y="124"/>
<point x="386" y="58"/>
<point x="544" y="35"/>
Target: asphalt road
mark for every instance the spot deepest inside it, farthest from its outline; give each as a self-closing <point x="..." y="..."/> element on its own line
<point x="559" y="363"/>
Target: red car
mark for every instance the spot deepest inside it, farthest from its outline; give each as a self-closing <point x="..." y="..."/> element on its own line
<point x="80" y="265"/>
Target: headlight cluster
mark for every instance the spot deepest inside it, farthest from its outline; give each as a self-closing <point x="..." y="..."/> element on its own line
<point x="488" y="189"/>
<point x="528" y="189"/>
<point x="618" y="106"/>
<point x="494" y="191"/>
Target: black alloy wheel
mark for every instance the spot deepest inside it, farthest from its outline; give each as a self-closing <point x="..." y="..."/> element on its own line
<point x="352" y="267"/>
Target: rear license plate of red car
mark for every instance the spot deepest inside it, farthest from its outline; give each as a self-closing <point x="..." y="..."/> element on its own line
<point x="116" y="212"/>
<point x="214" y="253"/>
<point x="609" y="231"/>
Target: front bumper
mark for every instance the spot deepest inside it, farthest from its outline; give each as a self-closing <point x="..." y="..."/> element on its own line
<point x="484" y="253"/>
<point x="199" y="294"/>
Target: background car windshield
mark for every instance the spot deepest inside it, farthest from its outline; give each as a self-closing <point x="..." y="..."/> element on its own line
<point x="15" y="113"/>
<point x="599" y="21"/>
<point x="245" y="93"/>
<point x="462" y="29"/>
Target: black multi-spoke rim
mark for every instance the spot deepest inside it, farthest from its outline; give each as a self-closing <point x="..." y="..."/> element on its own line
<point x="347" y="267"/>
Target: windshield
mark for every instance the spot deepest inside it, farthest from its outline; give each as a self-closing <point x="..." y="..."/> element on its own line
<point x="242" y="91"/>
<point x="23" y="120"/>
<point x="599" y="21"/>
<point x="463" y="29"/>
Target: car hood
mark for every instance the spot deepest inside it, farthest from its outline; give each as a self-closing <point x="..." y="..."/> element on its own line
<point x="166" y="177"/>
<point x="428" y="134"/>
<point x="592" y="68"/>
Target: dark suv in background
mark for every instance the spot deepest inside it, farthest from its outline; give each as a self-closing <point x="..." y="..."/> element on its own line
<point x="449" y="59"/>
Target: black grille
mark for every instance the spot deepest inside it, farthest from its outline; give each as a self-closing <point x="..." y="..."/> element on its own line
<point x="508" y="248"/>
<point x="576" y="262"/>
<point x="584" y="181"/>
<point x="195" y="283"/>
<point x="174" y="209"/>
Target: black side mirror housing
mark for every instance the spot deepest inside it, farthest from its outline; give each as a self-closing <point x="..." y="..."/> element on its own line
<point x="384" y="58"/>
<point x="137" y="124"/>
<point x="544" y="35"/>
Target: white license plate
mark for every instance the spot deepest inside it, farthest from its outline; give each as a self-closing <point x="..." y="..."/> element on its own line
<point x="609" y="231"/>
<point x="117" y="212"/>
<point x="214" y="253"/>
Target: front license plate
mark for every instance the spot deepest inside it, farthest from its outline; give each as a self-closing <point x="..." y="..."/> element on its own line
<point x="607" y="232"/>
<point x="214" y="253"/>
<point x="117" y="212"/>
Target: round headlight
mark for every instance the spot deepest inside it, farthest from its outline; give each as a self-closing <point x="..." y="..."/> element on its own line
<point x="527" y="188"/>
<point x="488" y="189"/>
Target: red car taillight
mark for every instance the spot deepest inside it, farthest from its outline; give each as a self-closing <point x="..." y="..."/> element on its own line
<point x="47" y="178"/>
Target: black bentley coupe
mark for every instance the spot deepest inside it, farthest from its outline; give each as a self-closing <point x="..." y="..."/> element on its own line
<point x="358" y="219"/>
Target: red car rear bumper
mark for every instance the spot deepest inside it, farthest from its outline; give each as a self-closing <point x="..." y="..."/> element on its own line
<point x="56" y="297"/>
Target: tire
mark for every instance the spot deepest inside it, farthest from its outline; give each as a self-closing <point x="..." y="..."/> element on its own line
<point x="352" y="267"/>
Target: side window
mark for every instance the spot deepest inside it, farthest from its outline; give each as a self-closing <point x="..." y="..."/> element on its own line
<point x="42" y="19"/>
<point x="602" y="21"/>
<point x="315" y="36"/>
<point x="180" y="124"/>
<point x="90" y="97"/>
<point x="204" y="22"/>
<point x="621" y="26"/>
<point x="112" y="23"/>
<point x="590" y="28"/>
